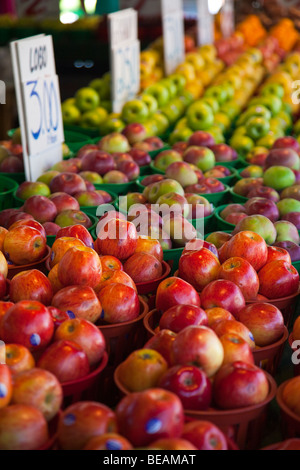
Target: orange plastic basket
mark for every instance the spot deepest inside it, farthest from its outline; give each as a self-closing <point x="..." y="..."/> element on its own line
<point x="148" y="287"/>
<point x="290" y="422"/>
<point x="40" y="265"/>
<point x="268" y="357"/>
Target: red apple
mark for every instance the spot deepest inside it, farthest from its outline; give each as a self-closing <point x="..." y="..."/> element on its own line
<point x="162" y="342"/>
<point x="241" y="272"/>
<point x="263" y="206"/>
<point x="83" y="421"/>
<point x="66" y="360"/>
<point x="224" y="294"/>
<point x="236" y="348"/>
<point x="180" y="316"/>
<point x="278" y="279"/>
<point x="38" y="388"/>
<point x="199" y="268"/>
<point x="110" y="263"/>
<point x="79" y="301"/>
<point x="171" y="444"/>
<point x="151" y="246"/>
<point x="190" y="384"/>
<point x="175" y="291"/>
<point x="116" y="237"/>
<point x="22" y="427"/>
<point x="264" y="320"/>
<point x="18" y="358"/>
<point x="51" y="228"/>
<point x="58" y="316"/>
<point x="30" y="285"/>
<point x="76" y="231"/>
<point x="108" y="441"/>
<point x="70" y="183"/>
<point x="41" y="208"/>
<point x="217" y="314"/>
<point x="80" y="266"/>
<point x="278" y="253"/>
<point x="60" y="247"/>
<point x="115" y="277"/>
<point x="205" y="435"/>
<point x="198" y="346"/>
<point x="23" y="245"/>
<point x="6" y="385"/>
<point x="250" y="246"/>
<point x="64" y="201"/>
<point x="143" y="267"/>
<point x="119" y="303"/>
<point x="238" y="385"/>
<point x="28" y="322"/>
<point x="29" y="223"/>
<point x="233" y="327"/>
<point x="158" y="414"/>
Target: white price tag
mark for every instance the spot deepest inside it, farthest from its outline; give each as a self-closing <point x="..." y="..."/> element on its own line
<point x="37" y="8"/>
<point x="124" y="57"/>
<point x="38" y="100"/>
<point x="205" y="24"/>
<point x="227" y="19"/>
<point x="173" y="34"/>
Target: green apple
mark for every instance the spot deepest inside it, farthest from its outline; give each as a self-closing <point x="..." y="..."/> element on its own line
<point x="288" y="205"/>
<point x="110" y="125"/>
<point x="175" y="201"/>
<point x="217" y="134"/>
<point x="32" y="188"/>
<point x="242" y="144"/>
<point x="106" y="104"/>
<point x="135" y="111"/>
<point x="257" y="110"/>
<point x="231" y="109"/>
<point x="240" y="130"/>
<point x="274" y="89"/>
<point x="87" y="99"/>
<point x="172" y="112"/>
<point x="102" y="87"/>
<point x="222" y="121"/>
<point x="71" y="115"/>
<point x="285" y="119"/>
<point x="267" y="141"/>
<point x="217" y="92"/>
<point x="273" y="103"/>
<point x="180" y="135"/>
<point x="69" y="101"/>
<point x="179" y="81"/>
<point x="160" y="93"/>
<point x="161" y="121"/>
<point x="162" y="187"/>
<point x="165" y="158"/>
<point x="170" y="86"/>
<point x="279" y="177"/>
<point x="286" y="231"/>
<point x="259" y="224"/>
<point x="187" y="96"/>
<point x="48" y="176"/>
<point x="200" y="116"/>
<point x="151" y="102"/>
<point x="93" y="119"/>
<point x="257" y="127"/>
<point x="202" y="157"/>
<point x="91" y="176"/>
<point x="212" y="102"/>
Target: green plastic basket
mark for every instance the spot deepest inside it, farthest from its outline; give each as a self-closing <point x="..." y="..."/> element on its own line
<point x="232" y="164"/>
<point x="221" y="224"/>
<point x="296" y="265"/>
<point x="237" y="198"/>
<point x="155" y="171"/>
<point x="172" y="257"/>
<point x="7" y="189"/>
<point x="209" y="223"/>
<point x="117" y="188"/>
<point x="153" y="153"/>
<point x="75" y="140"/>
<point x="17" y="177"/>
<point x="220" y="198"/>
<point x="144" y="170"/>
<point x="90" y="133"/>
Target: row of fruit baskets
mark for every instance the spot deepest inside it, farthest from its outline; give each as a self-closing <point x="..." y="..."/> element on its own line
<point x="149" y="282"/>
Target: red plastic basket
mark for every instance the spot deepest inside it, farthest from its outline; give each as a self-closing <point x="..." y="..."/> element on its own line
<point x="148" y="287"/>
<point x="286" y="305"/>
<point x="151" y="322"/>
<point x="40" y="265"/>
<point x="52" y="426"/>
<point x="290" y="422"/>
<point x="294" y="348"/>
<point x="245" y="423"/>
<point x="268" y="357"/>
<point x="86" y="387"/>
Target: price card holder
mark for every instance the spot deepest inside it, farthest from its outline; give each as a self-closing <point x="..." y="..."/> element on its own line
<point x="124" y="57"/>
<point x="227" y="18"/>
<point x="39" y="103"/>
<point x="173" y="34"/>
<point x="205" y="24"/>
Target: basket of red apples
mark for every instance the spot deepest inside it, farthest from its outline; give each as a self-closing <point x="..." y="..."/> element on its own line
<point x="287" y="397"/>
<point x="149" y="420"/>
<point x="30" y="403"/>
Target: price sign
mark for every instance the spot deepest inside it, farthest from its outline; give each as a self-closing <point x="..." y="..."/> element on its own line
<point x="37" y="8"/>
<point x="173" y="34"/>
<point x="227" y="18"/>
<point x="38" y="100"/>
<point x="205" y="24"/>
<point x="124" y="57"/>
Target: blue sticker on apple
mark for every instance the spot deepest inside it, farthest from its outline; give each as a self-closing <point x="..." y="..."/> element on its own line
<point x="102" y="314"/>
<point x="3" y="390"/>
<point x="113" y="445"/>
<point x="35" y="339"/>
<point x="70" y="314"/>
<point x="153" y="425"/>
<point x="69" y="419"/>
<point x="93" y="246"/>
<point x="251" y="336"/>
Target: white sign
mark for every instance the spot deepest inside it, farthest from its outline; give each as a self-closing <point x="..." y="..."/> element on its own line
<point x="227" y="18"/>
<point x="173" y="34"/>
<point x="39" y="103"/>
<point x="37" y="8"/>
<point x="124" y="57"/>
<point x="205" y="24"/>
